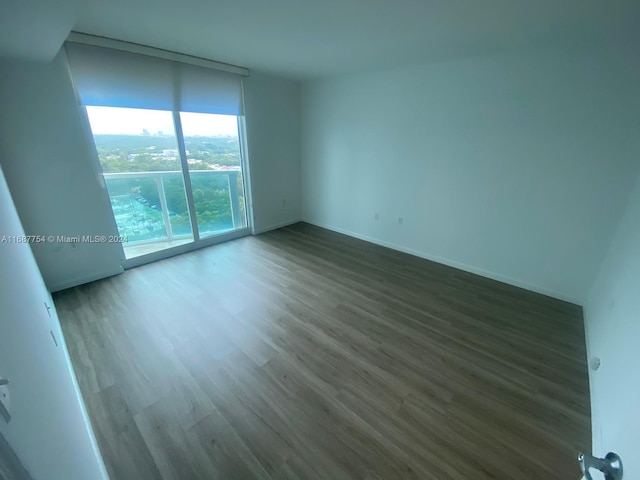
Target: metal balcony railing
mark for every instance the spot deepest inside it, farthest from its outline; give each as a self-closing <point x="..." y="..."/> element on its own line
<point x="152" y="206"/>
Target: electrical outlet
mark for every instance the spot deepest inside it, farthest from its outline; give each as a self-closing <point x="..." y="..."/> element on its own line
<point x="376" y="216"/>
<point x="5" y="403"/>
<point x="400" y="220"/>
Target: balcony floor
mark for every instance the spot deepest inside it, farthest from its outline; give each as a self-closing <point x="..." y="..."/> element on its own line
<point x="137" y="249"/>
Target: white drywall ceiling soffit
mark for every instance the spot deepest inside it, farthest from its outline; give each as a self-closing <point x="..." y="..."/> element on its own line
<point x="35" y="29"/>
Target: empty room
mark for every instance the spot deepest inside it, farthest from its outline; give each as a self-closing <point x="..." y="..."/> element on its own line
<point x="319" y="240"/>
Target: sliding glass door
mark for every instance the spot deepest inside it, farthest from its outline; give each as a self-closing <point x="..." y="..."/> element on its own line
<point x="172" y="178"/>
<point x="212" y="148"/>
<point x="166" y="128"/>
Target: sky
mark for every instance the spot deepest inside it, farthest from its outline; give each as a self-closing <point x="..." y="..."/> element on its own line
<point x="132" y="121"/>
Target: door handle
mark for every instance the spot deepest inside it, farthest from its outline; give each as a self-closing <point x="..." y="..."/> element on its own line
<point x="610" y="465"/>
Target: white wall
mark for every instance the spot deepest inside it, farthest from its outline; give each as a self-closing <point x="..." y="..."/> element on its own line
<point x="512" y="166"/>
<point x="612" y="318"/>
<point x="49" y="429"/>
<point x="272" y="107"/>
<point x="47" y="163"/>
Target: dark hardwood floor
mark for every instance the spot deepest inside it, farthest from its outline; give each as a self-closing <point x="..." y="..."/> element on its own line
<point x="305" y="354"/>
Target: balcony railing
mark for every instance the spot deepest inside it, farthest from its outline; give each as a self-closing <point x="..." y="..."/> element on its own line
<point x="152" y="206"/>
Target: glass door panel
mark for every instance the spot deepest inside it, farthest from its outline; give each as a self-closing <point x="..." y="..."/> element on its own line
<point x="215" y="169"/>
<point x="138" y="152"/>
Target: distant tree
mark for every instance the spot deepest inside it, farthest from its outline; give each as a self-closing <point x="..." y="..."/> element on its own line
<point x="143" y="153"/>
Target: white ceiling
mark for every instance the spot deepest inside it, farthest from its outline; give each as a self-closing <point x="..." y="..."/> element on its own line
<point x="308" y="38"/>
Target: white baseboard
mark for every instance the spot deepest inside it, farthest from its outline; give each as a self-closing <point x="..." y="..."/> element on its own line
<point x="258" y="231"/>
<point x="452" y="263"/>
<point x="63" y="285"/>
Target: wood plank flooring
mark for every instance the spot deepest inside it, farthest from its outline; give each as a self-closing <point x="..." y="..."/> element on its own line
<point x="305" y="354"/>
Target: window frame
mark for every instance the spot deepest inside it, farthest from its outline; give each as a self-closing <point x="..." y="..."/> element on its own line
<point x="198" y="242"/>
